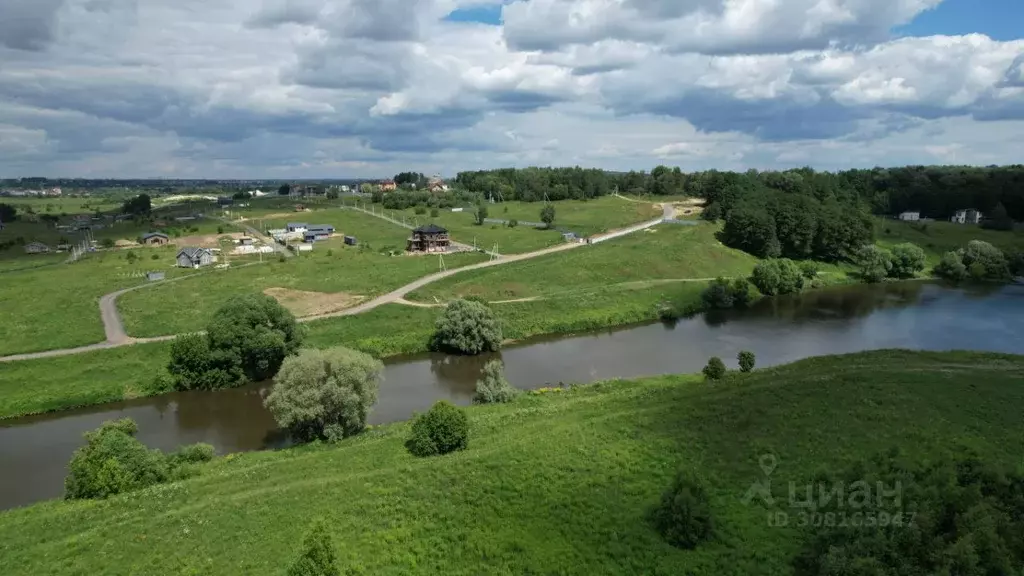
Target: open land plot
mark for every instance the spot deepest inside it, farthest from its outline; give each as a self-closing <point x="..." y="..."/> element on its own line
<point x="937" y="238"/>
<point x="373" y="233"/>
<point x="57" y="306"/>
<point x="348" y="273"/>
<point x="62" y="205"/>
<point x="578" y="471"/>
<point x="584" y="218"/>
<point x="462" y="228"/>
<point x="666" y="252"/>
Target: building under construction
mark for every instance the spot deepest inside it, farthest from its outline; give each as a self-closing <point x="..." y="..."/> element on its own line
<point x="429" y="238"/>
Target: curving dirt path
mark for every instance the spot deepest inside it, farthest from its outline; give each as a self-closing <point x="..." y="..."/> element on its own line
<point x="117" y="336"/>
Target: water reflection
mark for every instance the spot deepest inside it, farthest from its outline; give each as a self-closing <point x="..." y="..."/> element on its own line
<point x="34" y="451"/>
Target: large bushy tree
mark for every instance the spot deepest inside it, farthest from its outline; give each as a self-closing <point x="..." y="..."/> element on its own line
<point x="467" y="327"/>
<point x="777" y="276"/>
<point x="325" y="394"/>
<point x="873" y="263"/>
<point x="139" y="205"/>
<point x="246" y="340"/>
<point x="907" y="260"/>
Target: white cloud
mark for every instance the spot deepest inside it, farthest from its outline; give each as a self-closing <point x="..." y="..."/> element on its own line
<point x="234" y="88"/>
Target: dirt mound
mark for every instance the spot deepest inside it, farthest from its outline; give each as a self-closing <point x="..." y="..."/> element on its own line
<point x="205" y="240"/>
<point x="302" y="303"/>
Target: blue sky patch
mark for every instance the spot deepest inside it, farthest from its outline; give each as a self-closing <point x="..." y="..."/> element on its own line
<point x="998" y="19"/>
<point x="481" y="14"/>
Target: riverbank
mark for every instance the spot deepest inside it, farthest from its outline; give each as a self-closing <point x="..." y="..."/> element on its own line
<point x="557" y="482"/>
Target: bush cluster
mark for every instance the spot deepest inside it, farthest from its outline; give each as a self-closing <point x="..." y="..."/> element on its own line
<point x="977" y="261"/>
<point x="246" y="340"/>
<point x="467" y="327"/>
<point x="441" y="430"/>
<point x="325" y="394"/>
<point x="317" y="556"/>
<point x="113" y="461"/>
<point x="777" y="276"/>
<point x="875" y="264"/>
<point x="722" y="294"/>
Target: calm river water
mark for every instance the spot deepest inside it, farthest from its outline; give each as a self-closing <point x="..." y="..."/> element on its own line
<point x="34" y="451"/>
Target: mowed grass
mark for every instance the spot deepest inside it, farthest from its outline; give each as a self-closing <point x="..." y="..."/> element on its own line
<point x="937" y="238"/>
<point x="62" y="205"/>
<point x="560" y="483"/>
<point x="463" y="228"/>
<point x="667" y="252"/>
<point x="374" y="232"/>
<point x="64" y="382"/>
<point x="56" y="306"/>
<point x="585" y="218"/>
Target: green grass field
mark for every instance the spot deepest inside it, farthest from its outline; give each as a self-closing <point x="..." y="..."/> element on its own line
<point x="63" y="204"/>
<point x="57" y="306"/>
<point x="937" y="238"/>
<point x="558" y="483"/>
<point x="346" y="271"/>
<point x="64" y="382"/>
<point x="667" y="252"/>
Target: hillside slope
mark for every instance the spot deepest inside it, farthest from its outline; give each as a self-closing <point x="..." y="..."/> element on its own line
<point x="553" y="484"/>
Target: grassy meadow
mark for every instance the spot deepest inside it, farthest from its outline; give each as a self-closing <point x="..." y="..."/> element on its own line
<point x="556" y="483"/>
<point x="64" y="382"/>
<point x="56" y="306"/>
<point x="937" y="238"/>
<point x="667" y="252"/>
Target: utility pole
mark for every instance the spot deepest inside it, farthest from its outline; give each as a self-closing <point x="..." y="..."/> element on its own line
<point x="440" y="264"/>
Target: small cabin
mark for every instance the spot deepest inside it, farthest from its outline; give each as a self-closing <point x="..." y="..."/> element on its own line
<point x="350" y="240"/>
<point x="910" y="216"/>
<point x="154" y="239"/>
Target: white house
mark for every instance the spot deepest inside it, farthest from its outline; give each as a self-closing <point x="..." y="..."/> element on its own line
<point x="969" y="216"/>
<point x="910" y="216"/>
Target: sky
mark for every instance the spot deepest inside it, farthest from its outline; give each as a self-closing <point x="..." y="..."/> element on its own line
<point x="367" y="88"/>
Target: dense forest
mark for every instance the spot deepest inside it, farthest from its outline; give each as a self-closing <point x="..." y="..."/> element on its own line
<point x="934" y="191"/>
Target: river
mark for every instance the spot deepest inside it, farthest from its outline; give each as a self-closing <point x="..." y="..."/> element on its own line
<point x="35" y="450"/>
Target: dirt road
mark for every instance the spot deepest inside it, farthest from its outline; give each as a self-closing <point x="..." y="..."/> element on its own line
<point x="117" y="336"/>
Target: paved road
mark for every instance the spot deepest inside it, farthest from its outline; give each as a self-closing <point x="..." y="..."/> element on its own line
<point x="116" y="335"/>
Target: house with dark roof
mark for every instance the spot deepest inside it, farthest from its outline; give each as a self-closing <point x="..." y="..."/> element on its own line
<point x="154" y="239"/>
<point x="429" y="238"/>
<point x="297" y="226"/>
<point x="193" y="257"/>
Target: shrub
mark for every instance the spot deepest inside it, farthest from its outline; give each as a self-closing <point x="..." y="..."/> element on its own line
<point x="809" y="269"/>
<point x="317" y="557"/>
<point x="467" y="327"/>
<point x="154" y="257"/>
<point x="493" y="388"/>
<point x="107" y="242"/>
<point x="434" y="213"/>
<point x="907" y="260"/>
<point x="740" y="293"/>
<point x="873" y="263"/>
<point x="325" y="394"/>
<point x="951" y="267"/>
<point x="441" y="430"/>
<point x="330" y="252"/>
<point x="992" y="261"/>
<point x="481" y="214"/>
<point x="683" y="517"/>
<point x="191" y="454"/>
<point x="777" y="276"/>
<point x="513" y="223"/>
<point x="547" y="215"/>
<point x="747" y="360"/>
<point x="113" y="461"/>
<point x="722" y="294"/>
<point x="420" y="209"/>
<point x="715" y="369"/>
<point x="220" y="229"/>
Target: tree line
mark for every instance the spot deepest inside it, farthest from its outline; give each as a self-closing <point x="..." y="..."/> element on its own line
<point x="934" y="191"/>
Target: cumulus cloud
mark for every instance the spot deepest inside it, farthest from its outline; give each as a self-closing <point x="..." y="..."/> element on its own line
<point x="370" y="87"/>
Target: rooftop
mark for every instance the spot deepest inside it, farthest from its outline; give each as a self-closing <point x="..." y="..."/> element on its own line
<point x="431" y="229"/>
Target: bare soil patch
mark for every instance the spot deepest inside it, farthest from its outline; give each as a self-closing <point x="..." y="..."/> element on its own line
<point x="303" y="303"/>
<point x="206" y="240"/>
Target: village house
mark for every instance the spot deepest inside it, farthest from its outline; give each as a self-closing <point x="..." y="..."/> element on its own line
<point x="388" y="186"/>
<point x="436" y="185"/>
<point x="969" y="216"/>
<point x="154" y="239"/>
<point x="193" y="257"/>
<point x="317" y="232"/>
<point x="429" y="238"/>
<point x="36" y="248"/>
<point x="910" y="216"/>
